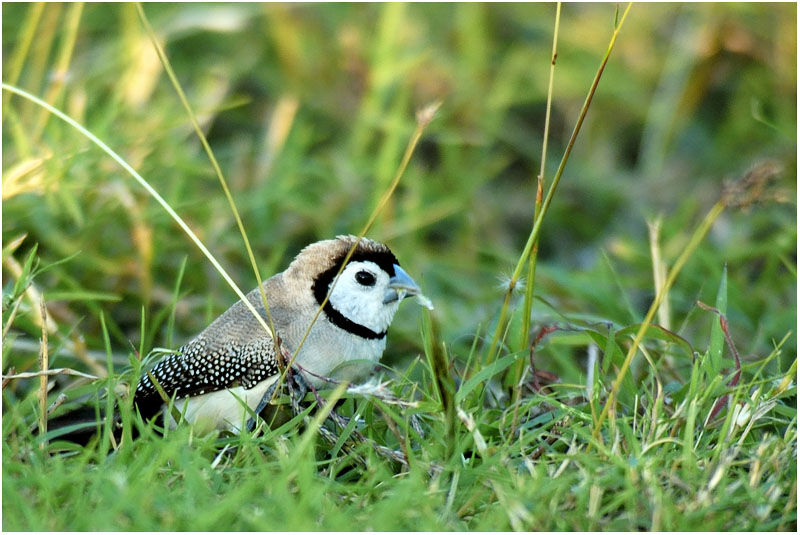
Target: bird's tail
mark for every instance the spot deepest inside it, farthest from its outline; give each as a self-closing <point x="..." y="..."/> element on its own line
<point x="82" y="424"/>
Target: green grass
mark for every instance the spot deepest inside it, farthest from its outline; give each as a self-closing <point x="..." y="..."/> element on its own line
<point x="309" y="110"/>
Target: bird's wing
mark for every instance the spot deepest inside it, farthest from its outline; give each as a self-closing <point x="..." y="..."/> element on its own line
<point x="232" y="351"/>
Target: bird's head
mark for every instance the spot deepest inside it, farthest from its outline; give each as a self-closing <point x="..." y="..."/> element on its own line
<point x="365" y="295"/>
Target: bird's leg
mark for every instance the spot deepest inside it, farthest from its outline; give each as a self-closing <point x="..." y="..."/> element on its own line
<point x="416" y="426"/>
<point x="265" y="399"/>
<point x="297" y="390"/>
<point x="298" y="387"/>
<point x="333" y="415"/>
<point x="341" y="422"/>
<point x="295" y="379"/>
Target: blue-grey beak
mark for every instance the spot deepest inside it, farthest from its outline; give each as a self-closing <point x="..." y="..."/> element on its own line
<point x="400" y="286"/>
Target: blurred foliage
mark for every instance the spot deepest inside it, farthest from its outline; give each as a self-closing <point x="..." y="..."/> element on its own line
<point x="308" y="108"/>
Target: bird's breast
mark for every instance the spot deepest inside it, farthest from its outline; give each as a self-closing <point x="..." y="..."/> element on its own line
<point x="331" y="352"/>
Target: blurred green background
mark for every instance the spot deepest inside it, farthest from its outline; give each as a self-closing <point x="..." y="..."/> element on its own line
<point x="309" y="108"/>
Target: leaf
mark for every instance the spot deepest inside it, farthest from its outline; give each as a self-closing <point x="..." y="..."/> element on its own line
<point x="660" y="333"/>
<point x="28" y="268"/>
<point x="82" y="295"/>
<point x="484" y="375"/>
<point x="611" y="350"/>
<point x="714" y="364"/>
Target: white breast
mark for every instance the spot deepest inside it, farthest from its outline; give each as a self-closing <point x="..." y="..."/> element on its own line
<point x="341" y="356"/>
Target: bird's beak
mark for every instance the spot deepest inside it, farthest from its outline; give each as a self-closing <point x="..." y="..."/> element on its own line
<point x="400" y="286"/>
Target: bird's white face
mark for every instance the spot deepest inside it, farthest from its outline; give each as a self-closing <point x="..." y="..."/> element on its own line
<point x="363" y="294"/>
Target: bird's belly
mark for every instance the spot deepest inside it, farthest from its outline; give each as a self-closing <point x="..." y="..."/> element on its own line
<point x="222" y="409"/>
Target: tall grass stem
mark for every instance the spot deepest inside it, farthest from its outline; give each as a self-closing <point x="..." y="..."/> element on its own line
<point x="44" y="364"/>
<point x="207" y="147"/>
<point x="537" y="208"/>
<point x="534" y="235"/>
<point x="527" y="305"/>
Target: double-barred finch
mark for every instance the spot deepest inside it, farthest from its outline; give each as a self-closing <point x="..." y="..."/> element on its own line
<point x="234" y="359"/>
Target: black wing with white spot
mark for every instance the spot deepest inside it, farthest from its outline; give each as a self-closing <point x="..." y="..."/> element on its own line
<point x="200" y="367"/>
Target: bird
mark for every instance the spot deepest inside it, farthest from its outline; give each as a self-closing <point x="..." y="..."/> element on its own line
<point x="234" y="361"/>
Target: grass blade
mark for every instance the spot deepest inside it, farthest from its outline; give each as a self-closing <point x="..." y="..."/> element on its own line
<point x="714" y="359"/>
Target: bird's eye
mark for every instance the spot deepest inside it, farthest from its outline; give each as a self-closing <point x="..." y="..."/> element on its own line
<point x="365" y="278"/>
